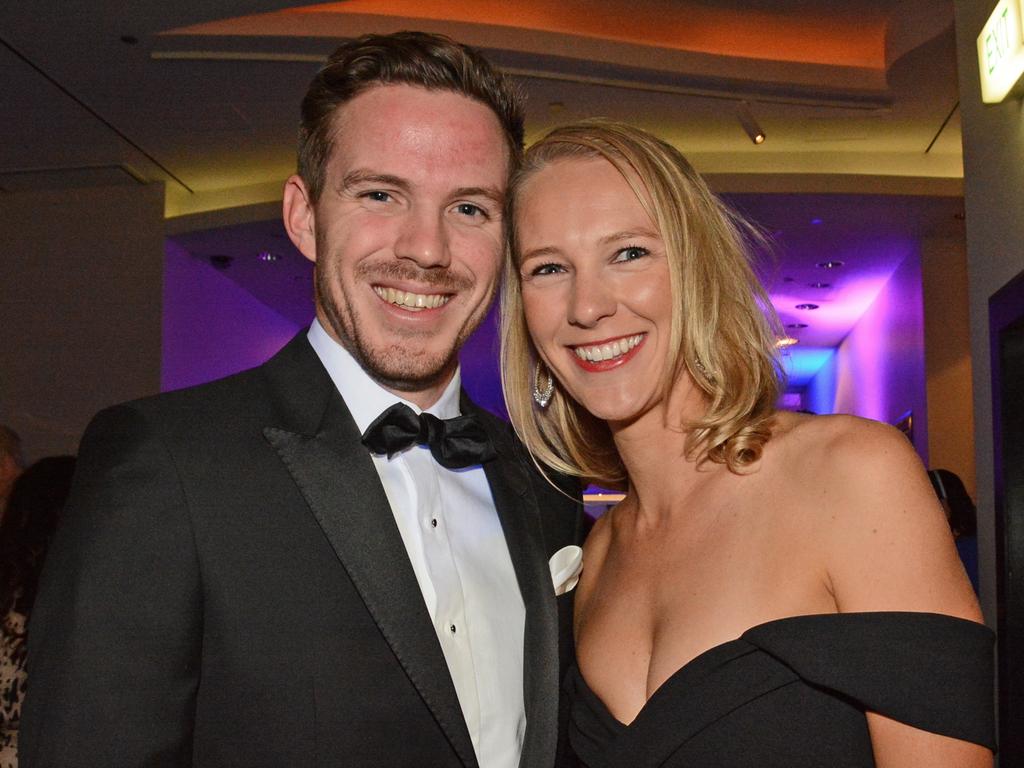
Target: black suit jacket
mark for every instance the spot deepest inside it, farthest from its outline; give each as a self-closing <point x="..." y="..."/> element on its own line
<point x="229" y="588"/>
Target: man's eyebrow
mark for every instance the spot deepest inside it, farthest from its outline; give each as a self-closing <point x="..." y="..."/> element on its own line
<point x="360" y="177"/>
<point x="494" y="194"/>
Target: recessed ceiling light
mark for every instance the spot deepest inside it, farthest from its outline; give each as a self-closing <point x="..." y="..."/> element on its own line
<point x="268" y="256"/>
<point x="820" y="285"/>
<point x="830" y="264"/>
<point x="815" y="222"/>
<point x="806" y="306"/>
<point x="796" y="326"/>
<point x="750" y="125"/>
<point x="786" y="341"/>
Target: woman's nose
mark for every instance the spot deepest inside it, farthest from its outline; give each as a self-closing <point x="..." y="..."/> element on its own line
<point x="591" y="300"/>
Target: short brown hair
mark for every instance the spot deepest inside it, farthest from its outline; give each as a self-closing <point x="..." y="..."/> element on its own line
<point x="430" y="61"/>
<point x="724" y="329"/>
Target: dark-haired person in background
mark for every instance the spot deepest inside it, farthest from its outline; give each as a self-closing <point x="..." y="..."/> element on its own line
<point x="11" y="463"/>
<point x="272" y="570"/>
<point x="35" y="505"/>
<point x="962" y="516"/>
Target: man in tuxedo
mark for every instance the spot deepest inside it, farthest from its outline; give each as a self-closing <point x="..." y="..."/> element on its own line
<point x="335" y="558"/>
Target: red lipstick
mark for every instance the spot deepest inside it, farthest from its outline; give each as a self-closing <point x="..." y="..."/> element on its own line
<point x="599" y="366"/>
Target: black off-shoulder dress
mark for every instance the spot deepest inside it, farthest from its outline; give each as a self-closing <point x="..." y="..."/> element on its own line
<point x="792" y="693"/>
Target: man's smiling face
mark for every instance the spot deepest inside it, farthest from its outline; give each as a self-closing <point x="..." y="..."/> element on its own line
<point x="407" y="235"/>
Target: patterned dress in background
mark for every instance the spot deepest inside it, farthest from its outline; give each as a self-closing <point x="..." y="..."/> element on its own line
<point x="12" y="686"/>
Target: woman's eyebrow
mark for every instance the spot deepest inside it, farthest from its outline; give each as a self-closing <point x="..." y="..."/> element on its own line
<point x="627" y="234"/>
<point x="542" y="252"/>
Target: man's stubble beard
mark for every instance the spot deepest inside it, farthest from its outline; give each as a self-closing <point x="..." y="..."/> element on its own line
<point x="398" y="367"/>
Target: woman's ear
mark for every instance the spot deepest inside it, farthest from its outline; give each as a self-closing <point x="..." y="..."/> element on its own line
<point x="299" y="217"/>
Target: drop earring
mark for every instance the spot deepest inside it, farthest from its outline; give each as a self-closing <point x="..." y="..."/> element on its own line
<point x="542" y="395"/>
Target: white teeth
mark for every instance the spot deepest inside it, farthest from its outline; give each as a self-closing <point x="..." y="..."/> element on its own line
<point x="411" y="301"/>
<point x="609" y="351"/>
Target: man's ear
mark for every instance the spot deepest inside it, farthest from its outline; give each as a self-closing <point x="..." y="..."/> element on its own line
<point x="299" y="217"/>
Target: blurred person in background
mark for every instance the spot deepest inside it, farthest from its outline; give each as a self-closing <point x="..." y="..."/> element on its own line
<point x="11" y="463"/>
<point x="962" y="517"/>
<point x="35" y="503"/>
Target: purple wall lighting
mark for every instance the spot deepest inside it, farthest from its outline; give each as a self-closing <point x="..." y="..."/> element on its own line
<point x="479" y="357"/>
<point x="820" y="392"/>
<point x="834" y="312"/>
<point x="212" y="327"/>
<point x="879" y="370"/>
<point x="791" y="401"/>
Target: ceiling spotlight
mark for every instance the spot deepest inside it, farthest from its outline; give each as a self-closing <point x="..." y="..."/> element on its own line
<point x="749" y="123"/>
<point x="820" y="285"/>
<point x="796" y="326"/>
<point x="268" y="256"/>
<point x="786" y="341"/>
<point x="806" y="306"/>
<point x="831" y="264"/>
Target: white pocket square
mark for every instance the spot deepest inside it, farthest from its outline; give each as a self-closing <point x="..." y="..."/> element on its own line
<point x="566" y="565"/>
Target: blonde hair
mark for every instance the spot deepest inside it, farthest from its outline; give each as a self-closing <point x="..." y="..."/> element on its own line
<point x="723" y="331"/>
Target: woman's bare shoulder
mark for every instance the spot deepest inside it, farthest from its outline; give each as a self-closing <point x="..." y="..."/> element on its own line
<point x="809" y="431"/>
<point x="839" y="451"/>
<point x="881" y="530"/>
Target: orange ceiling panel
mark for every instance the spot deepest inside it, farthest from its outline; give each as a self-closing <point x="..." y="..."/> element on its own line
<point x="808" y="36"/>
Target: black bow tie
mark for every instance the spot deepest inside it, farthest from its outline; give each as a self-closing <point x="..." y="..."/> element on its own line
<point x="454" y="443"/>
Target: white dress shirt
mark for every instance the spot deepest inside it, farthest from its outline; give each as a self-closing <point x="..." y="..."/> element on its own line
<point x="455" y="543"/>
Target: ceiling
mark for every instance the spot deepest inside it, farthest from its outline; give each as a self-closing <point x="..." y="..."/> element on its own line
<point x="857" y="98"/>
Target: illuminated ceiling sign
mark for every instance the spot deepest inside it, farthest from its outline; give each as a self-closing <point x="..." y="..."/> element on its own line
<point x="1001" y="52"/>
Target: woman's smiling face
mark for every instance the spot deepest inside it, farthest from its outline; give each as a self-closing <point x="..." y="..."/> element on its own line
<point x="596" y="286"/>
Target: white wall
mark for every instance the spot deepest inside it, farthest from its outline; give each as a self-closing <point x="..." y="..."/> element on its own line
<point x="993" y="137"/>
<point x="947" y="354"/>
<point x="80" y="307"/>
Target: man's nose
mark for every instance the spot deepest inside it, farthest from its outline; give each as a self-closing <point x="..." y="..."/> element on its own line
<point x="423" y="239"/>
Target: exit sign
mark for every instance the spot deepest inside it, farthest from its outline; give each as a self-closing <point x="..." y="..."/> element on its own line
<point x="1001" y="52"/>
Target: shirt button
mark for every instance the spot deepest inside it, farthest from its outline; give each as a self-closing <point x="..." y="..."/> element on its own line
<point x="433" y="523"/>
<point x="452" y="629"/>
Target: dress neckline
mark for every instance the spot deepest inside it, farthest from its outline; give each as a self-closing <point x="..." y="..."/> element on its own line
<point x="708" y="660"/>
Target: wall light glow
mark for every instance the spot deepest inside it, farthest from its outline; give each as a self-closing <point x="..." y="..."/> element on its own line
<point x="801" y="364"/>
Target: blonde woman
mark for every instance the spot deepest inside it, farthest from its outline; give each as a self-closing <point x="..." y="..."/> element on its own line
<point x="775" y="589"/>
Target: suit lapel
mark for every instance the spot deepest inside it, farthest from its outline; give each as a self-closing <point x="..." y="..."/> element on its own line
<point x="520" y="521"/>
<point x="336" y="476"/>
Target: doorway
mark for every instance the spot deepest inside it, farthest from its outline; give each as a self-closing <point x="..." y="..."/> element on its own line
<point x="1006" y="333"/>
